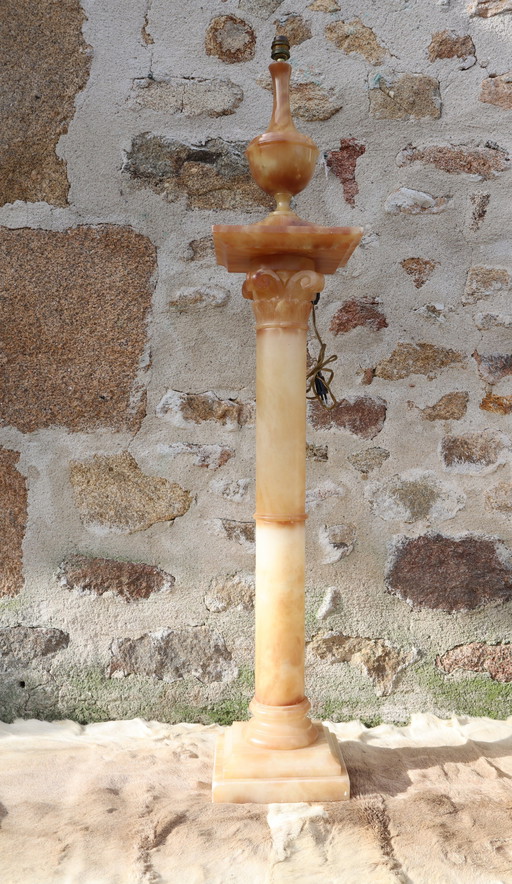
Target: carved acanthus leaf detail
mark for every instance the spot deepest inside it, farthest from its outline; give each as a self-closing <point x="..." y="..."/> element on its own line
<point x="263" y="283"/>
<point x="282" y="297"/>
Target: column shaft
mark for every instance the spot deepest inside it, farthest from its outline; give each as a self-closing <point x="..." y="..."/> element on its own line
<point x="280" y="504"/>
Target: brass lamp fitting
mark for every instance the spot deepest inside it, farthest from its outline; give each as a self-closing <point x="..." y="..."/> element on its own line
<point x="280" y="49"/>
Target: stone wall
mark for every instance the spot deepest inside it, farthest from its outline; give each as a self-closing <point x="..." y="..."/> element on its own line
<point x="127" y="356"/>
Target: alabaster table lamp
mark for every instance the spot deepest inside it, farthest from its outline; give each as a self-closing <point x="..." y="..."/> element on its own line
<point x="280" y="755"/>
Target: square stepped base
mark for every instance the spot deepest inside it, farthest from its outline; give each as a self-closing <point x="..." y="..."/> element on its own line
<point x="245" y="773"/>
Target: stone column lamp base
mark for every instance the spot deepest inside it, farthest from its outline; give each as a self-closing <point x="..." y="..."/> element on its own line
<point x="280" y="754"/>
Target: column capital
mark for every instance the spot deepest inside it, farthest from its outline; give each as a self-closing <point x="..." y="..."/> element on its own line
<point x="282" y="298"/>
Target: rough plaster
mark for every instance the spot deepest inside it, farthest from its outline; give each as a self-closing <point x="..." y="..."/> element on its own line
<point x="212" y="348"/>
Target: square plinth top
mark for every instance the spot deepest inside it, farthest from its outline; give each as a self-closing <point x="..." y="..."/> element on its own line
<point x="284" y="241"/>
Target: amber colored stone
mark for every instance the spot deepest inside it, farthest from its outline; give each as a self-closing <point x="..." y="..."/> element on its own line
<point x="284" y="258"/>
<point x="283" y="240"/>
<point x="282" y="161"/>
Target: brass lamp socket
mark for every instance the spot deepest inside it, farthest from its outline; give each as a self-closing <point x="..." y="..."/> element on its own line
<point x="280" y="49"/>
